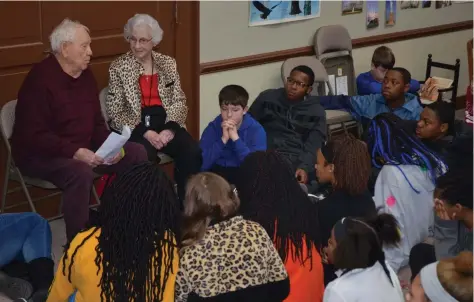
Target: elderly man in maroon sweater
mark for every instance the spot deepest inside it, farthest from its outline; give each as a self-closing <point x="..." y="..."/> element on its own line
<point x="59" y="121"/>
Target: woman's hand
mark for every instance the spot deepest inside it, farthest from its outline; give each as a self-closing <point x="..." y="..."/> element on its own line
<point x="154" y="139"/>
<point x="166" y="136"/>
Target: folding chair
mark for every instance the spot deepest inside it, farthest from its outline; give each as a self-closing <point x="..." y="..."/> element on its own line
<point x="336" y="120"/>
<point x="7" y="117"/>
<point x="164" y="158"/>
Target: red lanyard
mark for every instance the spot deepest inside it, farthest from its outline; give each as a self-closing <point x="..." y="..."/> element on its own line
<point x="151" y="83"/>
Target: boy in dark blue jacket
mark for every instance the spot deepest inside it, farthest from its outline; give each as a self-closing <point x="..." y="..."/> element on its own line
<point x="371" y="82"/>
<point x="232" y="135"/>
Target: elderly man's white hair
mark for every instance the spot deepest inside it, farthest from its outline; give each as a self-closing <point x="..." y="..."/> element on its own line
<point x="64" y="32"/>
<point x="143" y="19"/>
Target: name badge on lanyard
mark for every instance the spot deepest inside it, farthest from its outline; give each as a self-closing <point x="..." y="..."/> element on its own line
<point x="147" y="121"/>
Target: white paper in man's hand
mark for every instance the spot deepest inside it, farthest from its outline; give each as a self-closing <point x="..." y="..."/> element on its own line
<point x="113" y="144"/>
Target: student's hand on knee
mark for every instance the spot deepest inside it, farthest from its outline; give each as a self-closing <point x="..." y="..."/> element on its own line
<point x="301" y="176"/>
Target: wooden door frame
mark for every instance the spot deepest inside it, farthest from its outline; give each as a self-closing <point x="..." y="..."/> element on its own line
<point x="187" y="58"/>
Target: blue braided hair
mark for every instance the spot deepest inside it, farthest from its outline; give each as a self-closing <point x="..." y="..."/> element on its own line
<point x="390" y="143"/>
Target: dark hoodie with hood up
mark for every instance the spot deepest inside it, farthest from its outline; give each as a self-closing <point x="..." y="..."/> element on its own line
<point x="296" y="129"/>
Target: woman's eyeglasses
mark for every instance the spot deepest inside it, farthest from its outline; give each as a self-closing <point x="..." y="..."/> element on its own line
<point x="140" y="41"/>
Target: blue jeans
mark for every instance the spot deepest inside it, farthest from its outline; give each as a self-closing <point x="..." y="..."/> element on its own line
<point x="24" y="237"/>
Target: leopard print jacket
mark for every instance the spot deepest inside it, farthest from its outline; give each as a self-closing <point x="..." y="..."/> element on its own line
<point x="123" y="103"/>
<point x="233" y="255"/>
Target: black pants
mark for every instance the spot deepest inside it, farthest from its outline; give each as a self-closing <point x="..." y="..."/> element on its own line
<point x="229" y="173"/>
<point x="184" y="150"/>
<point x="421" y="255"/>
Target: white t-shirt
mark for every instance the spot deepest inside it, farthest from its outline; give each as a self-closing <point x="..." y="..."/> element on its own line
<point x="413" y="211"/>
<point x="365" y="285"/>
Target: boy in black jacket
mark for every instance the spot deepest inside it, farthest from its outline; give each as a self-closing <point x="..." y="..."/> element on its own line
<point x="295" y="121"/>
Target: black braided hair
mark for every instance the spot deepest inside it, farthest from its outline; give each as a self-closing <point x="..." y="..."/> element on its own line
<point x="271" y="196"/>
<point x="139" y="221"/>
<point x="390" y="143"/>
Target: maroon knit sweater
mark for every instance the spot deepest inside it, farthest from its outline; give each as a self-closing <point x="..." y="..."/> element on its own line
<point x="56" y="114"/>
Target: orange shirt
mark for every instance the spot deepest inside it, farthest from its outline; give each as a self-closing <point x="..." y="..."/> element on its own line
<point x="305" y="285"/>
<point x="150" y="95"/>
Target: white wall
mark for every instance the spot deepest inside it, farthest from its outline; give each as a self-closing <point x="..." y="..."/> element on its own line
<point x="224" y="34"/>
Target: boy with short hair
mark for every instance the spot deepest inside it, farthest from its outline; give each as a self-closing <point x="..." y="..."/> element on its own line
<point x="232" y="135"/>
<point x="371" y="82"/>
<point x="294" y="120"/>
<point x="394" y="98"/>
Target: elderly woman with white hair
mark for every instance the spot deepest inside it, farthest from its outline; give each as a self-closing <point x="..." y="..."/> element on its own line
<point x="145" y="94"/>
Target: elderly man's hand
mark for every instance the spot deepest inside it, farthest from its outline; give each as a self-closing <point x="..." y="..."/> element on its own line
<point x="117" y="157"/>
<point x="88" y="157"/>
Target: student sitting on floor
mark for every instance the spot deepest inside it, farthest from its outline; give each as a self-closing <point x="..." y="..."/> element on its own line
<point x="371" y="82"/>
<point x="26" y="237"/>
<point x="232" y="135"/>
<point x="355" y="249"/>
<point x="405" y="184"/>
<point x="454" y="219"/>
<point x="439" y="131"/>
<point x="272" y="197"/>
<point x="343" y="162"/>
<point x="449" y="280"/>
<point x="132" y="253"/>
<point x="394" y="98"/>
<point x="225" y="257"/>
<point x="294" y="120"/>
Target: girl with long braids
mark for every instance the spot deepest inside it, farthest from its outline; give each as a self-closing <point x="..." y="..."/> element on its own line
<point x="272" y="197"/>
<point x="132" y="253"/>
<point x="355" y="249"/>
<point x="405" y="184"/>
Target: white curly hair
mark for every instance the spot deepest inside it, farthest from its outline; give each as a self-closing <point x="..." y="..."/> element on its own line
<point x="144" y="19"/>
<point x="64" y="32"/>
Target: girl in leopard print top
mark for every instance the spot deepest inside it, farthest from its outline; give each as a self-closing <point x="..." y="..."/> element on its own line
<point x="225" y="257"/>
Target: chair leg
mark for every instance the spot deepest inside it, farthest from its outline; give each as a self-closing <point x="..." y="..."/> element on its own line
<point x="96" y="196"/>
<point x="25" y="190"/>
<point x="5" y="187"/>
<point x="344" y="127"/>
<point x="60" y="210"/>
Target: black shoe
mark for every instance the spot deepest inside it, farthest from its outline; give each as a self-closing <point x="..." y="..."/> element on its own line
<point x="39" y="296"/>
<point x="41" y="271"/>
<point x="15" y="288"/>
<point x="17" y="269"/>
